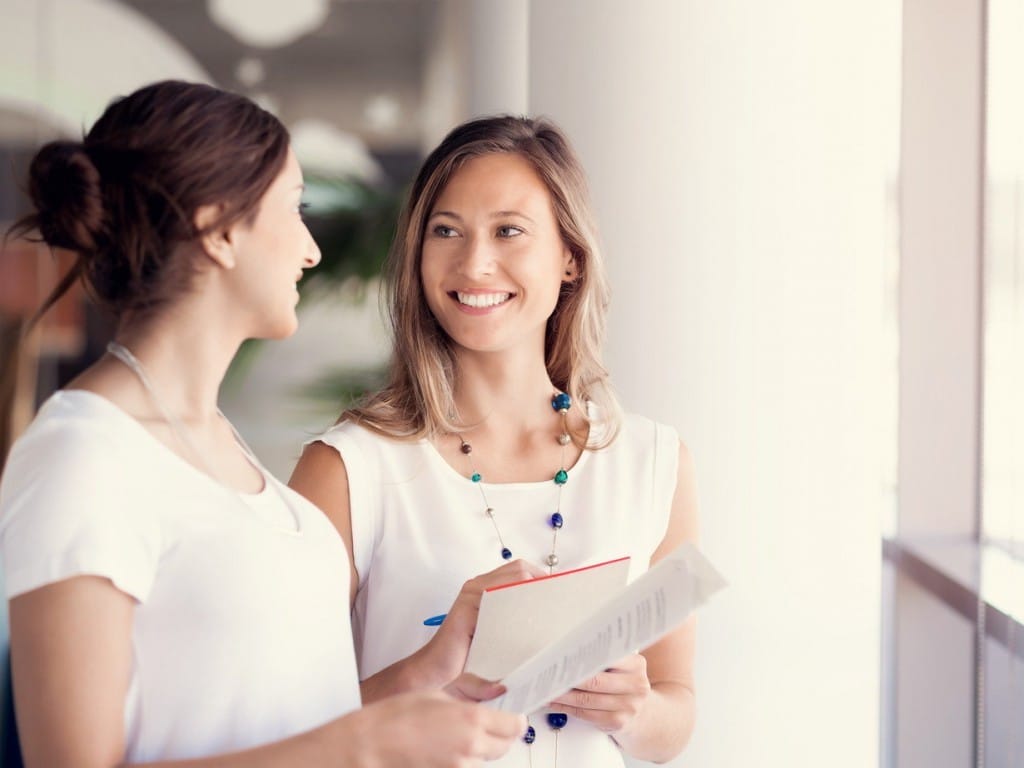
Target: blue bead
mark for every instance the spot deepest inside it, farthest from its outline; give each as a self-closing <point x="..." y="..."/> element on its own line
<point x="561" y="402"/>
<point x="475" y="477"/>
<point x="530" y="736"/>
<point x="561" y="477"/>
<point x="556" y="520"/>
<point x="506" y="553"/>
<point x="557" y="720"/>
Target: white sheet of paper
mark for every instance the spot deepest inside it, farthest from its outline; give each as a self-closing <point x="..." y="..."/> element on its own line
<point x="517" y="620"/>
<point x="639" y="615"/>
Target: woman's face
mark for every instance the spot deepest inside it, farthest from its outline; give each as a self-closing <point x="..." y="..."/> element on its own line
<point x="493" y="259"/>
<point x="271" y="254"/>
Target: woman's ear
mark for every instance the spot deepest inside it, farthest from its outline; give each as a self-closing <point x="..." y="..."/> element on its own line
<point x="215" y="242"/>
<point x="571" y="267"/>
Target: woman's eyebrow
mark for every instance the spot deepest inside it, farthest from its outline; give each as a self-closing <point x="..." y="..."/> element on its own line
<point x="450" y="214"/>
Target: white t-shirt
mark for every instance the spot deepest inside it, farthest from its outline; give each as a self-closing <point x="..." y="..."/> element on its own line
<point x="241" y="634"/>
<point x="419" y="532"/>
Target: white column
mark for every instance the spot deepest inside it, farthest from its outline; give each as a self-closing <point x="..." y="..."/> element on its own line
<point x="940" y="359"/>
<point x="737" y="153"/>
<point x="476" y="64"/>
<point x="498" y="66"/>
<point x="445" y="75"/>
<point x="940" y="294"/>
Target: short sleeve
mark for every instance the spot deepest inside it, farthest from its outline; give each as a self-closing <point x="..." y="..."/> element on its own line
<point x="361" y="491"/>
<point x="71" y="505"/>
<point x="666" y="471"/>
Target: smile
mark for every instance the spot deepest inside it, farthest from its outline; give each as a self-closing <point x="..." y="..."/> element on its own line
<point x="481" y="300"/>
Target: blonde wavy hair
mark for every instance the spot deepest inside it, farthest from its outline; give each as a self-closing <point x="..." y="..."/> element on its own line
<point x="418" y="400"/>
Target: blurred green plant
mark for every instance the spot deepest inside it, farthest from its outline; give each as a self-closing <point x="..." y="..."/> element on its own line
<point x="353" y="223"/>
<point x="343" y="386"/>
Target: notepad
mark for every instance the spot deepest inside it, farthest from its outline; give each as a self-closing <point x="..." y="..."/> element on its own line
<point x="626" y="620"/>
<point x="516" y="620"/>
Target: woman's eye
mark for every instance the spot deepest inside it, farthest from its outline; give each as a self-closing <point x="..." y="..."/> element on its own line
<point x="303" y="208"/>
<point x="442" y="230"/>
<point x="509" y="231"/>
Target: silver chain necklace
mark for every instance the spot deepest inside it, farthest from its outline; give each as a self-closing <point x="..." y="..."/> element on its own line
<point x="124" y="355"/>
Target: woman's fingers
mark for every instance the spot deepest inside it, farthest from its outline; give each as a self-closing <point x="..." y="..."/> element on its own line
<point x="467" y="687"/>
<point x="610" y="699"/>
<point x="509" y="573"/>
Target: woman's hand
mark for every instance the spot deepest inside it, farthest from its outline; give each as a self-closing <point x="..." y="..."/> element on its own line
<point x="431" y="729"/>
<point x="610" y="700"/>
<point x="445" y="655"/>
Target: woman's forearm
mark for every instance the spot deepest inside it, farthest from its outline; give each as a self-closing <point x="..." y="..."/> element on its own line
<point x="663" y="728"/>
<point x="413" y="673"/>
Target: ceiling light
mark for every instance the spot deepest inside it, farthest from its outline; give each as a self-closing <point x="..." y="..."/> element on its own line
<point x="250" y="72"/>
<point x="268" y="23"/>
<point x="382" y="112"/>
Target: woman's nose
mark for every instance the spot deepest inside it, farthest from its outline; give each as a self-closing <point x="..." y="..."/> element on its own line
<point x="477" y="258"/>
<point x="312" y="254"/>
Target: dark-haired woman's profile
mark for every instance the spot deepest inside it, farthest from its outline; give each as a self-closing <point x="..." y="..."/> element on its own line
<point x="169" y="599"/>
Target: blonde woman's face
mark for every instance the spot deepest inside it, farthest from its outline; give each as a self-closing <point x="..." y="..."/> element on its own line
<point x="493" y="260"/>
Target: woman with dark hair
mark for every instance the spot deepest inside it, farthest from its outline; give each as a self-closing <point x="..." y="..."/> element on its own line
<point x="169" y="599"/>
<point x="498" y="439"/>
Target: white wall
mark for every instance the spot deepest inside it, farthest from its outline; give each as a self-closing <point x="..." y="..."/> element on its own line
<point x="54" y="65"/>
<point x="737" y="152"/>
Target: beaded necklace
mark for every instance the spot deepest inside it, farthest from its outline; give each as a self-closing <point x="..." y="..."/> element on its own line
<point x="561" y="403"/>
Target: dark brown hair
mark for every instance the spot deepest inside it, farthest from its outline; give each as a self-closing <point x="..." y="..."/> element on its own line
<point x="125" y="196"/>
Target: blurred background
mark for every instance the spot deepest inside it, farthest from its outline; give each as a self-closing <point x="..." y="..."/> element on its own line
<point x="812" y="217"/>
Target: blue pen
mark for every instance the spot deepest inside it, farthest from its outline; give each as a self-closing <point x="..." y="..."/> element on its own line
<point x="434" y="621"/>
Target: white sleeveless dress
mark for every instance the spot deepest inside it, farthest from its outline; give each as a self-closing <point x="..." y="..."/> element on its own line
<point x="419" y="532"/>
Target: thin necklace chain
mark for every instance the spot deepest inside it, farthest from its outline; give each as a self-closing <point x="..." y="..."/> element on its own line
<point x="560" y="478"/>
<point x="561" y="402"/>
<point x="124" y="355"/>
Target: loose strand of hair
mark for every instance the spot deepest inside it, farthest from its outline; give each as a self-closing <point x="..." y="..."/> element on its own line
<point x="55" y="295"/>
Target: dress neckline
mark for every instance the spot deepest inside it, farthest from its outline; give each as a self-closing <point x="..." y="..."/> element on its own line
<point x="158" y="445"/>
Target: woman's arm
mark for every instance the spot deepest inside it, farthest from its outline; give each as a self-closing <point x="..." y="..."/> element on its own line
<point x="646" y="702"/>
<point x="321" y="477"/>
<point x="71" y="664"/>
<point x="71" y="660"/>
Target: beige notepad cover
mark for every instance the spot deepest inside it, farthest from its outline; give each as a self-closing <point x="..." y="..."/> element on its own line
<point x="519" y="619"/>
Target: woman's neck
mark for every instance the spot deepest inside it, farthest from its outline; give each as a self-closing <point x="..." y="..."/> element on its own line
<point x="503" y="393"/>
<point x="185" y="357"/>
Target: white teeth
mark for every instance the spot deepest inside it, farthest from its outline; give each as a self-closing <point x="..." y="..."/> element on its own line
<point x="482" y="299"/>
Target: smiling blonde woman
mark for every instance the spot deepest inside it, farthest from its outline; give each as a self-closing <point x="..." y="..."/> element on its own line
<point x="497" y="450"/>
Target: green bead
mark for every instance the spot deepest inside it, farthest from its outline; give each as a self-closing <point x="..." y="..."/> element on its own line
<point x="561" y="477"/>
<point x="475" y="477"/>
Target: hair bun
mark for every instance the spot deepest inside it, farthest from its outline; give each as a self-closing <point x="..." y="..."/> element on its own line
<point x="65" y="189"/>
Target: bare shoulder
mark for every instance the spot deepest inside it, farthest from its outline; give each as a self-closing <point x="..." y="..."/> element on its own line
<point x="321" y="477"/>
<point x="687" y="470"/>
